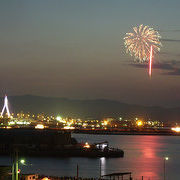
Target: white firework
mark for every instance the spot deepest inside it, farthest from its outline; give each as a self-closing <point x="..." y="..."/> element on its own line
<point x="139" y="42"/>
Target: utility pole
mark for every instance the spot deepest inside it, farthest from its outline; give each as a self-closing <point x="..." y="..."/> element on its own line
<point x="13" y="167"/>
<point x="165" y="159"/>
<point x="100" y="169"/>
<point x="15" y="170"/>
<point x="77" y="172"/>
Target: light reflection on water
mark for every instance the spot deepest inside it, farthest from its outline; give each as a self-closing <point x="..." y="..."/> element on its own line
<point x="102" y="166"/>
<point x="143" y="157"/>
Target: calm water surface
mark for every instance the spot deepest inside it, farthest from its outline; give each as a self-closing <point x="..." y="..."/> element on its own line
<point x="143" y="157"/>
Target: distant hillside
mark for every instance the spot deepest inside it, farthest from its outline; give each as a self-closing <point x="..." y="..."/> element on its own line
<point x="89" y="108"/>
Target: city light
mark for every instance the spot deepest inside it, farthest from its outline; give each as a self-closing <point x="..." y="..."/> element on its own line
<point x="11" y="123"/>
<point x="45" y="178"/>
<point x="59" y="118"/>
<point x="39" y="126"/>
<point x="43" y="120"/>
<point x="86" y="145"/>
<point x="139" y="123"/>
<point x="69" y="127"/>
<point x="104" y="146"/>
<point x="176" y="129"/>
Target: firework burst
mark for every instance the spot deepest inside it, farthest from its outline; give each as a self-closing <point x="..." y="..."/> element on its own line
<point x="139" y="42"/>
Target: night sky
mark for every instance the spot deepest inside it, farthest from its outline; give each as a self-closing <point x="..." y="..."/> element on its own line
<point x="74" y="49"/>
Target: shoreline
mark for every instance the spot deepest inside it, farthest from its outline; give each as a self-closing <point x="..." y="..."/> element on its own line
<point x="118" y="132"/>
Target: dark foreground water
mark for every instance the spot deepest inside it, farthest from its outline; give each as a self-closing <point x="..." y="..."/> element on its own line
<point x="143" y="157"/>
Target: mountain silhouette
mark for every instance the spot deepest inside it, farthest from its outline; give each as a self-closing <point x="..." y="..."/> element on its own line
<point x="98" y="108"/>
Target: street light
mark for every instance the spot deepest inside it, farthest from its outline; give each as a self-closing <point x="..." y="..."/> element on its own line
<point x="165" y="159"/>
<point x="22" y="161"/>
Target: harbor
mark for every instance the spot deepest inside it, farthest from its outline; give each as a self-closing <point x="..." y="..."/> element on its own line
<point x="51" y="142"/>
<point x="143" y="157"/>
<point x="89" y="90"/>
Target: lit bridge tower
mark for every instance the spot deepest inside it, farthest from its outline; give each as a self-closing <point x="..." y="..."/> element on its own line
<point x="5" y="107"/>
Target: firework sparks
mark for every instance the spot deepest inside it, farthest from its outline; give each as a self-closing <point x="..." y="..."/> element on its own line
<point x="139" y="42"/>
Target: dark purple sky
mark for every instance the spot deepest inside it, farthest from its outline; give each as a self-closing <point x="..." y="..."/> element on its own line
<point x="74" y="49"/>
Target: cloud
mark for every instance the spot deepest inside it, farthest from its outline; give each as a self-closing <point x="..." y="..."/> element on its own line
<point x="176" y="72"/>
<point x="165" y="66"/>
<point x="169" y="55"/>
<point x="171" y="40"/>
<point x="172" y="30"/>
<point x="171" y="67"/>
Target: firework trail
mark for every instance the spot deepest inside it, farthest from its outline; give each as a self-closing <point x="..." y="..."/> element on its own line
<point x="150" y="62"/>
<point x="139" y="42"/>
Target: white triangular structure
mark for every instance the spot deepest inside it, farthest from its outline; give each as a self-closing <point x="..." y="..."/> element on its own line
<point x="5" y="107"/>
